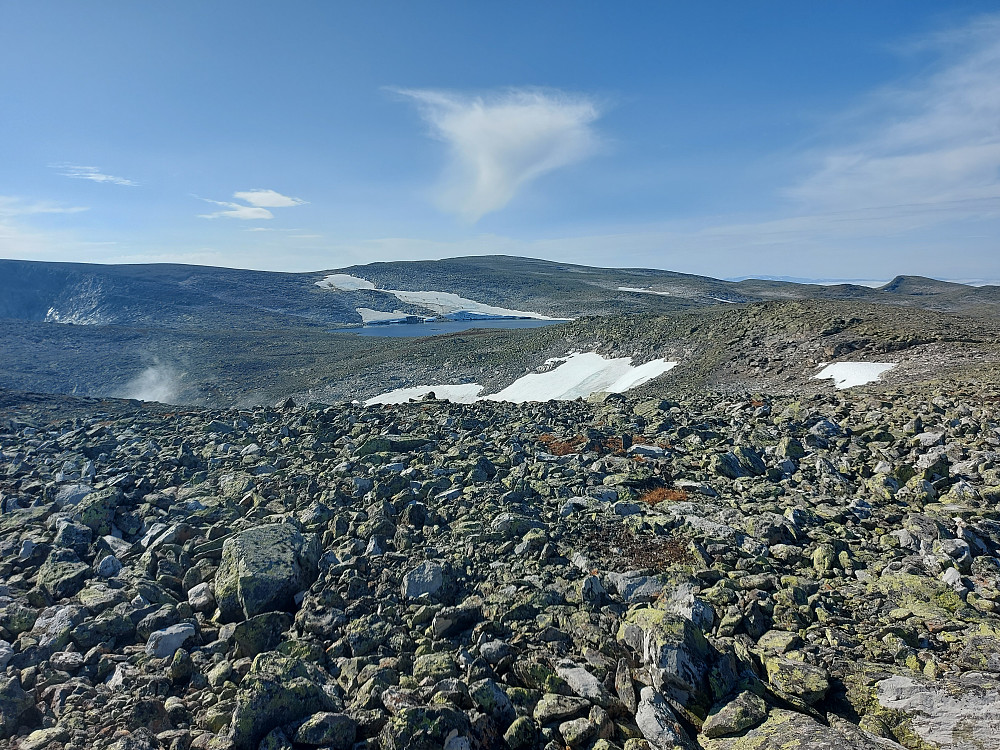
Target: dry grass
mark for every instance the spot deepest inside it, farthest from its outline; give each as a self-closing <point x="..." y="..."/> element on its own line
<point x="662" y="494"/>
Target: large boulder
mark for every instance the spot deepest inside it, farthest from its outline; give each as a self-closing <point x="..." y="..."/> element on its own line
<point x="675" y="652"/>
<point x="788" y="729"/>
<point x="277" y="691"/>
<point x="263" y="568"/>
<point x="14" y="703"/>
<point x="97" y="510"/>
<point x="950" y="714"/>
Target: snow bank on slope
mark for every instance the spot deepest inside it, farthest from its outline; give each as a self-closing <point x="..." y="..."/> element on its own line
<point x="445" y="304"/>
<point x="344" y="282"/>
<point x="640" y="290"/>
<point x="460" y="394"/>
<point x="377" y="316"/>
<point x="850" y="374"/>
<point x="579" y="376"/>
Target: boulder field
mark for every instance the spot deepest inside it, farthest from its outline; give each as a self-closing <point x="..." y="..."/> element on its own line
<point x="697" y="572"/>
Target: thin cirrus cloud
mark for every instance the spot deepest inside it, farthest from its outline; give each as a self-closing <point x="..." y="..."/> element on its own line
<point x="94" y="174"/>
<point x="501" y="141"/>
<point x="929" y="152"/>
<point x="259" y="202"/>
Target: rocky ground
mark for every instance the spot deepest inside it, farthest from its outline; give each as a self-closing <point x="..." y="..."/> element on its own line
<point x="712" y="572"/>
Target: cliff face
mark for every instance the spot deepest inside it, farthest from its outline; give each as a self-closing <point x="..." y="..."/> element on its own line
<point x="705" y="571"/>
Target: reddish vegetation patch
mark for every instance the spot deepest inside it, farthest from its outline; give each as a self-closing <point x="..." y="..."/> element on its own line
<point x="562" y="447"/>
<point x="615" y="445"/>
<point x="662" y="494"/>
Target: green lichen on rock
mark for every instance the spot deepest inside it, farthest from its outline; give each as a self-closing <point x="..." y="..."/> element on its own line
<point x="263" y="568"/>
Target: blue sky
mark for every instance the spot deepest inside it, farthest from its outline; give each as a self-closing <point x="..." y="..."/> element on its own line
<point x="816" y="140"/>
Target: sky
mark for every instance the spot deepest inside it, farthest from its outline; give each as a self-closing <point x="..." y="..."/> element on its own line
<point x="848" y="140"/>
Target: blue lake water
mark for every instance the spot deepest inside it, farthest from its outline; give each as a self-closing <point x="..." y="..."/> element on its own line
<point x="440" y="327"/>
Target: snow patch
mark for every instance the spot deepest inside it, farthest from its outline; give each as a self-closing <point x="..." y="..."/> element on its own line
<point x="445" y="304"/>
<point x="377" y="316"/>
<point x="640" y="290"/>
<point x="344" y="282"/>
<point x="581" y="375"/>
<point x="578" y="376"/>
<point x="460" y="394"/>
<point x="850" y="374"/>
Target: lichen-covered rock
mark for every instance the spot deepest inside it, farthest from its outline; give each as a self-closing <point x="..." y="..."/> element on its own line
<point x="953" y="714"/>
<point x="743" y="712"/>
<point x="331" y="730"/>
<point x="423" y="728"/>
<point x="263" y="568"/>
<point x="674" y="650"/>
<point x="96" y="511"/>
<point x="796" y="678"/>
<point x="14" y="703"/>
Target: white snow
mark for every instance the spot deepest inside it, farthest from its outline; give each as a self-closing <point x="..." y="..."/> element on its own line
<point x="371" y="316"/>
<point x="460" y="394"/>
<point x="722" y="299"/>
<point x="445" y="304"/>
<point x="640" y="290"/>
<point x="850" y="374"/>
<point x="578" y="376"/>
<point x="344" y="282"/>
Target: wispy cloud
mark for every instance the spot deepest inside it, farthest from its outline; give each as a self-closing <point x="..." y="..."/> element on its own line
<point x="254" y="207"/>
<point x="237" y="211"/>
<point x="927" y="152"/>
<point x="267" y="199"/>
<point x="94" y="174"/>
<point x="11" y="206"/>
<point x="500" y="142"/>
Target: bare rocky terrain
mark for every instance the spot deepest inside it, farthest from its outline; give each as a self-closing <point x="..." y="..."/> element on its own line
<point x="693" y="572"/>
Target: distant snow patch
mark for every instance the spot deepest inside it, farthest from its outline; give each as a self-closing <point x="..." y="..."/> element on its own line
<point x="850" y="374"/>
<point x="581" y="375"/>
<point x="460" y="394"/>
<point x="377" y="316"/>
<point x="344" y="282"/>
<point x="445" y="304"/>
<point x="640" y="290"/>
<point x="723" y="299"/>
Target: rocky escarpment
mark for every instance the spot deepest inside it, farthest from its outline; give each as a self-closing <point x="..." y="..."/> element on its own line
<point x="703" y="573"/>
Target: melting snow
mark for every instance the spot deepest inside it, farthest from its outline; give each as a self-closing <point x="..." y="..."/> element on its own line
<point x="344" y="282"/>
<point x="640" y="290"/>
<point x="578" y="376"/>
<point x="445" y="304"/>
<point x="850" y="374"/>
<point x="372" y="316"/>
<point x="581" y="375"/>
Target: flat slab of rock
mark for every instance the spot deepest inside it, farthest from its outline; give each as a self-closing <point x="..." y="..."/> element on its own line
<point x="163" y="643"/>
<point x="961" y="714"/>
<point x="426" y="578"/>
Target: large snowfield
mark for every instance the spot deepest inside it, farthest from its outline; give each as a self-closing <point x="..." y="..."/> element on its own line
<point x="850" y="374"/>
<point x="579" y="375"/>
<point x="445" y="304"/>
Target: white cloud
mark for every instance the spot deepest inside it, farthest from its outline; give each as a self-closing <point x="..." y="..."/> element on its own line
<point x="928" y="152"/>
<point x="503" y="141"/>
<point x="259" y="201"/>
<point x="237" y="211"/>
<point x="267" y="199"/>
<point x="93" y="174"/>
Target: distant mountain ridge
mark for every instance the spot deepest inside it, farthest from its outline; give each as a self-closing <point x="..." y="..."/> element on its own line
<point x="177" y="296"/>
